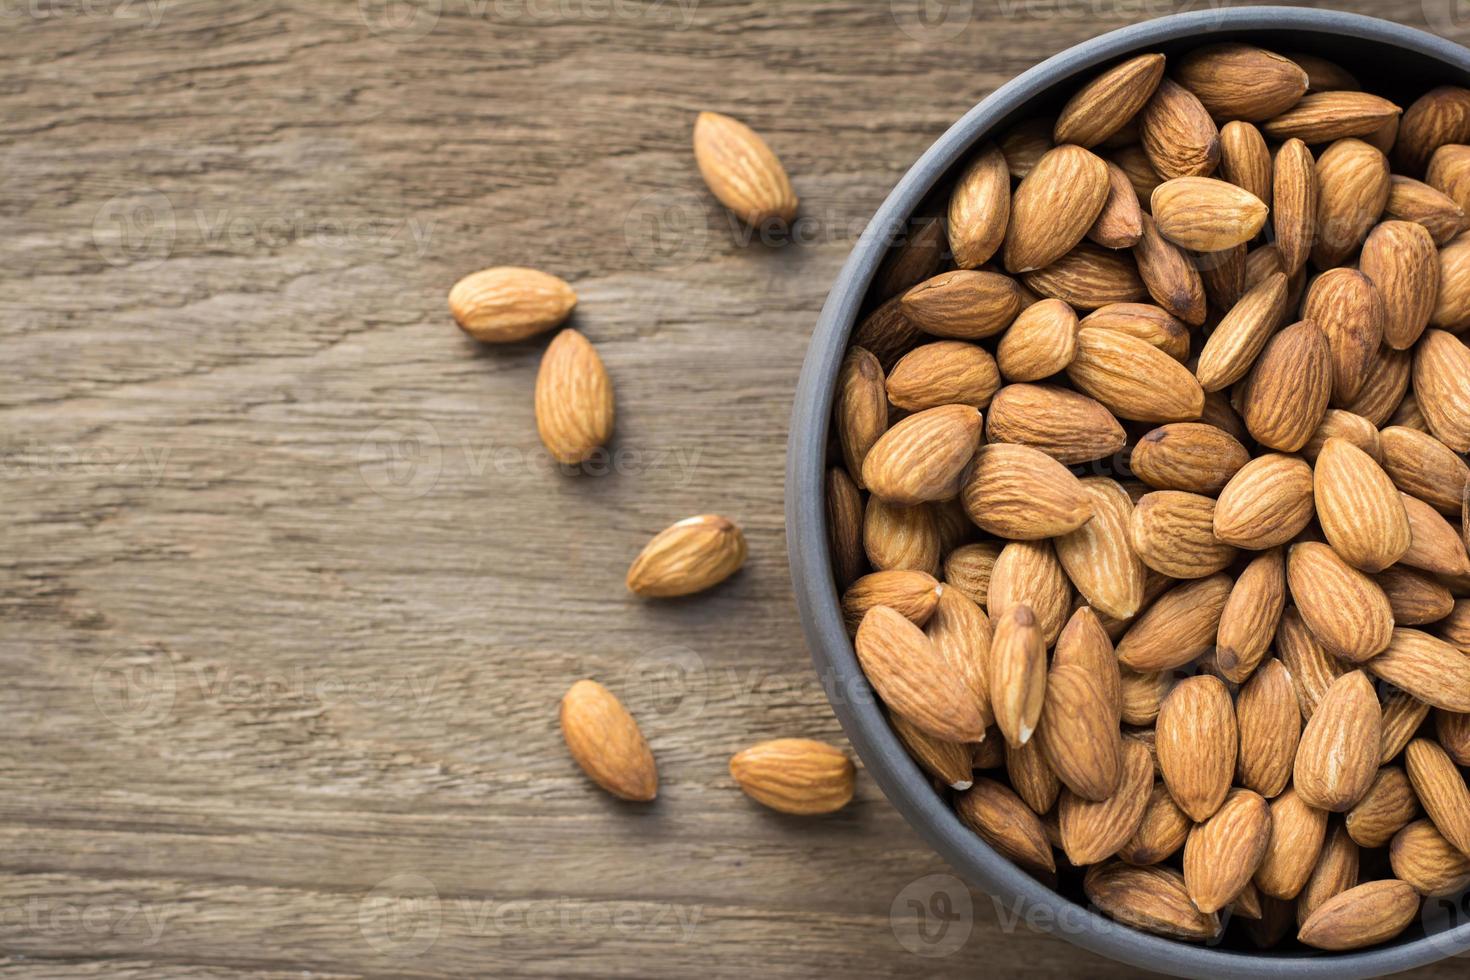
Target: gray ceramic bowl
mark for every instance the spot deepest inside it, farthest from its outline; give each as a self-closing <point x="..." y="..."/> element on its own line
<point x="1393" y="60"/>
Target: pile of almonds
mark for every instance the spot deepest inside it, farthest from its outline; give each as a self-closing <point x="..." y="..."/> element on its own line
<point x="574" y="417"/>
<point x="1148" y="504"/>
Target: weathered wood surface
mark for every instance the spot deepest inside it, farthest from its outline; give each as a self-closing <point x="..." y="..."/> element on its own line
<point x="289" y="592"/>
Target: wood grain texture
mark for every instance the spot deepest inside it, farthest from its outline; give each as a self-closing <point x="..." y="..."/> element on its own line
<point x="289" y="591"/>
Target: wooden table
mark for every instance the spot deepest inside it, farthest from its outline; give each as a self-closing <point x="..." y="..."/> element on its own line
<point x="290" y="591"/>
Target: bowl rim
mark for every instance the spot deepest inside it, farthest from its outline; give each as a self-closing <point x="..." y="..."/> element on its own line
<point x="901" y="780"/>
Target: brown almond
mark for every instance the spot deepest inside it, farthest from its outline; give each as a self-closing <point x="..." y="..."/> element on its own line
<point x="1449" y="172"/>
<point x="1173" y="532"/>
<point x="1153" y="899"/>
<point x="1336" y="871"/>
<point x="1352" y="191"/>
<point x="946" y="372"/>
<point x="1017" y="674"/>
<point x="509" y="303"/>
<point x="1423" y="467"/>
<point x="980" y="208"/>
<point x="1250" y="617"/>
<point x="1223" y="274"/>
<point x="1453" y="731"/>
<point x="860" y="412"/>
<point x="966" y="304"/>
<point x="1031" y="776"/>
<point x="845" y="527"/>
<point x="795" y="775"/>
<point x="1324" y="75"/>
<point x="1266" y="503"/>
<point x="1197" y="744"/>
<point x="1270" y="725"/>
<point x="1223" y="852"/>
<point x="1340" y="424"/>
<point x="1441" y="790"/>
<point x="924" y="456"/>
<point x="968" y="568"/>
<point x="1442" y="384"/>
<point x="1120" y="222"/>
<point x="887" y="334"/>
<point x="1241" y="81"/>
<point x="1294" y="203"/>
<point x="1401" y="259"/>
<point x="1190" y="456"/>
<point x="1136" y="166"/>
<point x="1452" y="302"/>
<point x="1098" y="557"/>
<point x="1426" y="667"/>
<point x="1025" y="143"/>
<point x="1363" y="916"/>
<point x="962" y="635"/>
<point x="1413" y="200"/>
<point x="1162" y="832"/>
<point x="1093" y="831"/>
<point x="1359" y="508"/>
<point x="605" y="741"/>
<point x="1384" y="810"/>
<point x="1402" y="715"/>
<point x="1439" y="116"/>
<point x="1344" y="608"/>
<point x="1054" y="207"/>
<point x="1435" y="546"/>
<point x="574" y="399"/>
<point x="1154" y="326"/>
<point x="1021" y="493"/>
<point x="914" y="680"/>
<point x="1415" y="597"/>
<point x="1286" y="393"/>
<point x="1088" y="277"/>
<point x="1311" y="667"/>
<point x="742" y="171"/>
<point x="914" y="255"/>
<point x="913" y="594"/>
<point x="1102" y="106"/>
<point x="1143" y="694"/>
<point x="1325" y="116"/>
<point x="896" y="537"/>
<point x="1421" y="856"/>
<point x="1388" y="379"/>
<point x="1179" y="627"/>
<point x="1028" y="573"/>
<point x="1134" y="379"/>
<point x="1337" y="756"/>
<point x="1003" y="821"/>
<point x="1242" y="334"/>
<point x="1245" y="160"/>
<point x="1078" y="733"/>
<point x="1041" y="342"/>
<point x="1297" y="835"/>
<point x="1205" y="214"/>
<point x="1350" y="311"/>
<point x="1178" y="134"/>
<point x="949" y="762"/>
<point x="695" y="554"/>
<point x="1084" y="643"/>
<point x="1068" y="426"/>
<point x="1171" y="276"/>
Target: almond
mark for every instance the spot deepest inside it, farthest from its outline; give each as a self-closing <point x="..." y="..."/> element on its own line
<point x="1152" y="325"/>
<point x="1266" y="503"/>
<point x="1439" y="116"/>
<point x="1453" y="731"/>
<point x="1143" y="694"/>
<point x="1326" y="116"/>
<point x="1402" y="715"/>
<point x="1021" y="493"/>
<point x="1134" y="379"/>
<point x="962" y="635"/>
<point x="1027" y="572"/>
<point x="968" y="569"/>
<point x="1442" y="383"/>
<point x="1162" y="833"/>
<point x="1286" y="393"/>
<point x="913" y="594"/>
<point x="1067" y="426"/>
<point x="1093" y="831"/>
<point x="1344" y="608"/>
<point x="1455" y="628"/>
<point x="896" y="537"/>
<point x="1352" y="191"/>
<point x="1363" y="916"/>
<point x="1452" y="303"/>
<point x="1087" y="278"/>
<point x="1197" y="744"/>
<point x="1335" y="873"/>
<point x="795" y="775"/>
<point x="1337" y="756"/>
<point x="1041" y="342"/>
<point x="1416" y="598"/>
<point x="1435" y="545"/>
<point x="860" y="414"/>
<point x="1442" y="790"/>
<point x="1346" y="306"/>
<point x="1120" y="222"/>
<point x="1173" y="533"/>
<point x="1360" y="510"/>
<point x="1170" y="275"/>
<point x="914" y="679"/>
<point x="741" y="171"/>
<point x="1297" y="834"/>
<point x="574" y="399"/>
<point x="1294" y="203"/>
<point x="924" y="456"/>
<point x="1078" y="733"/>
<point x="1311" y="667"/>
<point x="915" y="253"/>
<point x="605" y="741"/>
<point x="1054" y="206"/>
<point x="887" y="334"/>
<point x="948" y="762"/>
<point x="1388" y="379"/>
<point x="1135" y="164"/>
<point x="1177" y="628"/>
<point x="1241" y="335"/>
<point x="1205" y="214"/>
<point x="1098" y="557"/>
<point x="1423" y="467"/>
<point x="695" y="554"/>
<point x="946" y="372"/>
<point x="1223" y="852"/>
<point x="1324" y="75"/>
<point x="1003" y="821"/>
<point x="1031" y="776"/>
<point x="1084" y="643"/>
<point x="1223" y="274"/>
<point x="1413" y="200"/>
<point x="1250" y="617"/>
<point x="966" y="304"/>
<point x="1430" y="864"/>
<point x="1426" y="667"/>
<point x="1245" y="160"/>
<point x="980" y="208"/>
<point x="1178" y="134"/>
<point x="1017" y="674"/>
<point x="1153" y="899"/>
<point x="1102" y="106"/>
<point x="1188" y="456"/>
<point x="1384" y="810"/>
<point x="509" y="303"/>
<point x="1270" y="726"/>
<point x="1401" y="259"/>
<point x="1339" y="424"/>
<point x="1449" y="173"/>
<point x="1240" y="81"/>
<point x="1024" y="144"/>
<point x="845" y="527"/>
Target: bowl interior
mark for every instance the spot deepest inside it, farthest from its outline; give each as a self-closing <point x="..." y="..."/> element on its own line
<point x="1389" y="60"/>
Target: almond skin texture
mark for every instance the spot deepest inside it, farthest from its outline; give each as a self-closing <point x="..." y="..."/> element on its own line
<point x="1349" y="310"/>
<point x="1326" y="116"/>
<point x="1439" y="116"/>
<point x="1270" y="727"/>
<point x="1413" y="200"/>
<point x="913" y="256"/>
<point x="1402" y="715"/>
<point x="1178" y="134"/>
<point x="946" y="372"/>
<point x="1191" y="456"/>
<point x="968" y="569"/>
<point x="949" y="762"/>
<point x="924" y="456"/>
<point x="1087" y="278"/>
<point x="1442" y="791"/>
<point x="510" y="303"/>
<point x="1337" y="757"/>
<point x="1452" y="304"/>
<point x="1294" y="203"/>
<point x="1423" y="467"/>
<point x="1245" y="160"/>
<point x="1021" y="493"/>
<point x="1054" y="207"/>
<point x="860" y="412"/>
<point x="1287" y="391"/>
<point x="980" y="209"/>
<point x="1024" y="144"/>
<point x="1180" y="626"/>
<point x="1017" y="674"/>
<point x="741" y="171"/>
<point x="887" y="334"/>
<point x="1240" y="81"/>
<point x="574" y="399"/>
<point x="1173" y="533"/>
<point x="1384" y="810"/>
<point x="914" y="680"/>
<point x="1084" y="643"/>
<point x="1430" y="864"/>
<point x="795" y="775"/>
<point x="1205" y="214"/>
<point x="1242" y="334"/>
<point x="1041" y="342"/>
<point x="962" y="634"/>
<point x="1336" y="871"/>
<point x="966" y="304"/>
<point x="1134" y="379"/>
<point x="1103" y="105"/>
<point x="1297" y="834"/>
<point x="1078" y="733"/>
<point x="1066" y="425"/>
<point x="1401" y="259"/>
<point x="1149" y="323"/>
<point x="1120" y="223"/>
<point x="1435" y="546"/>
<point x="1415" y="597"/>
<point x="1266" y="503"/>
<point x="1426" y="667"/>
<point x="1383" y="390"/>
<point x="1006" y="824"/>
<point x="1170" y="274"/>
<point x="1098" y="557"/>
<point x="1162" y="833"/>
<point x="1363" y="916"/>
<point x="1031" y="776"/>
<point x="1442" y="384"/>
<point x="1250" y="617"/>
<point x="1345" y="609"/>
<point x="1311" y="667"/>
<point x="1027" y="572"/>
<point x="605" y="741"/>
<point x="1359" y="508"/>
<point x="896" y="537"/>
<point x="1352" y="191"/>
<point x="915" y="595"/>
<point x="1095" y="830"/>
<point x="1223" y="853"/>
<point x="1153" y="899"/>
<point x="1341" y="424"/>
<point x="845" y="527"/>
<point x="695" y="554"/>
<point x="1197" y="745"/>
